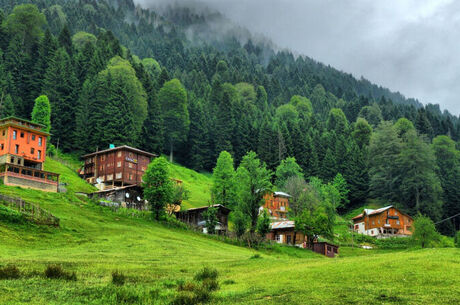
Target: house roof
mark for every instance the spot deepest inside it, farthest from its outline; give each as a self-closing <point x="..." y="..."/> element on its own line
<point x="125" y="147"/>
<point x="119" y="188"/>
<point x="24" y="124"/>
<point x="281" y="194"/>
<point x="370" y="212"/>
<point x="287" y="224"/>
<point x="206" y="207"/>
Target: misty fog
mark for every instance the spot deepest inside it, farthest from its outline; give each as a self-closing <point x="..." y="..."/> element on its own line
<point x="406" y="45"/>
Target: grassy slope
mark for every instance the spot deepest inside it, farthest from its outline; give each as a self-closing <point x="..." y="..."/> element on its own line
<point x="93" y="241"/>
<point x="198" y="184"/>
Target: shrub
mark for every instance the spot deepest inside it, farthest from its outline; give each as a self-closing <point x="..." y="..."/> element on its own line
<point x="9" y="272"/>
<point x="184" y="298"/>
<point x="210" y="285"/>
<point x="192" y="293"/>
<point x="56" y="272"/>
<point x="206" y="273"/>
<point x="457" y="239"/>
<point x="394" y="243"/>
<point x="256" y="256"/>
<point x="118" y="278"/>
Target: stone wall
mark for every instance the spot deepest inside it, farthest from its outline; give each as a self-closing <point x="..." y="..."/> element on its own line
<point x="30" y="184"/>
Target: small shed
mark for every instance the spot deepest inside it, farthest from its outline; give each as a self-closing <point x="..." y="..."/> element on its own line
<point x="325" y="248"/>
<point x="130" y="196"/>
<point x="194" y="217"/>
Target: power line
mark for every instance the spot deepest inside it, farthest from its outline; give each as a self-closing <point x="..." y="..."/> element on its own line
<point x="447" y="218"/>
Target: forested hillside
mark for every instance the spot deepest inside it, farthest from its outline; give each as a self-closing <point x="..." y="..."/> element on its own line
<point x="119" y="74"/>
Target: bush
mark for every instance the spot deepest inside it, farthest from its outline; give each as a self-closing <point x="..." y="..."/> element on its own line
<point x="11" y="216"/>
<point x="445" y="242"/>
<point x="394" y="243"/>
<point x="193" y="293"/>
<point x="9" y="272"/>
<point x="457" y="239"/>
<point x="56" y="272"/>
<point x="206" y="273"/>
<point x="118" y="278"/>
<point x="256" y="256"/>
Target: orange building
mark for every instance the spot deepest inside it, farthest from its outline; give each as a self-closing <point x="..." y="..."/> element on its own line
<point x="22" y="153"/>
<point x="384" y="222"/>
<point x="277" y="204"/>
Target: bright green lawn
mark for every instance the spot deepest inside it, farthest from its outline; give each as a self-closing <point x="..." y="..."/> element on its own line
<point x="93" y="241"/>
<point x="198" y="184"/>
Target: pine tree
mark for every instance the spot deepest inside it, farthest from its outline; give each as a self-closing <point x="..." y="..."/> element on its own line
<point x="6" y="106"/>
<point x="65" y="40"/>
<point x="198" y="137"/>
<point x="223" y="189"/>
<point x="60" y="86"/>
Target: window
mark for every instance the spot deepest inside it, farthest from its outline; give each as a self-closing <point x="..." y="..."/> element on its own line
<point x="119" y="153"/>
<point x="130" y="165"/>
<point x="32" y="151"/>
<point x="109" y="177"/>
<point x="3" y="132"/>
<point x="118" y="176"/>
<point x="396" y="213"/>
<point x="119" y="164"/>
<point x="15" y="134"/>
<point x="40" y="141"/>
<point x="16" y="149"/>
<point x="373" y="222"/>
<point x="12" y="160"/>
<point x="39" y="154"/>
<point x="143" y="168"/>
<point x="356" y="227"/>
<point x="22" y="134"/>
<point x="2" y="146"/>
<point x="397" y="222"/>
<point x="130" y="176"/>
<point x="33" y="137"/>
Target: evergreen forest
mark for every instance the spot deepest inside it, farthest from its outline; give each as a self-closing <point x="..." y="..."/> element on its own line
<point x="165" y="82"/>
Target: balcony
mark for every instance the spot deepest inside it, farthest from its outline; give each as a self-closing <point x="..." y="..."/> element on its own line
<point x="28" y="177"/>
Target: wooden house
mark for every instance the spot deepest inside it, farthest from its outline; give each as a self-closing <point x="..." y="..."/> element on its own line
<point x="22" y="154"/>
<point x="116" y="167"/>
<point x="195" y="218"/>
<point x="277" y="204"/>
<point x="385" y="222"/>
<point x="283" y="232"/>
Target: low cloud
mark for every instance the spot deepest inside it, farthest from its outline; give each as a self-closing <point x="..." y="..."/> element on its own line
<point x="410" y="46"/>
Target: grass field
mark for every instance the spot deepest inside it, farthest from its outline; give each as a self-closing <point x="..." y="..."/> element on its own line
<point x="94" y="241"/>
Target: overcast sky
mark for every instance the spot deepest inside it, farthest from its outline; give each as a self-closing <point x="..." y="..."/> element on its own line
<point x="411" y="46"/>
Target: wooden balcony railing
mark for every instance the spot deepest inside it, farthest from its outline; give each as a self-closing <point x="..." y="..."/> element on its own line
<point x="29" y="173"/>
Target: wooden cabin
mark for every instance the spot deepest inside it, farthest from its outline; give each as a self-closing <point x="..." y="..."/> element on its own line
<point x="116" y="167"/>
<point x="385" y="222"/>
<point x="22" y="154"/>
<point x="277" y="204"/>
<point x="195" y="218"/>
<point x="283" y="232"/>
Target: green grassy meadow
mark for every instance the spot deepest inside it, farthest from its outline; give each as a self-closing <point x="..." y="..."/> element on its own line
<point x="93" y="241"/>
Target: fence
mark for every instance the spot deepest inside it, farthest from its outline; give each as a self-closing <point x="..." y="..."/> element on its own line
<point x="31" y="211"/>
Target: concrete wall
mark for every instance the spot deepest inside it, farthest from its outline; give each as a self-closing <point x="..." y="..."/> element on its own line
<point x="30" y="184"/>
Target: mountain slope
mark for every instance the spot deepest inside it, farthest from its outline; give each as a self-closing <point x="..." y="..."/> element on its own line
<point x="93" y="241"/>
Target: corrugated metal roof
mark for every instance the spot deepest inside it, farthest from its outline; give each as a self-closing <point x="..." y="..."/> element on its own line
<point x="126" y="147"/>
<point x="372" y="212"/>
<point x="283" y="224"/>
<point x="282" y="194"/>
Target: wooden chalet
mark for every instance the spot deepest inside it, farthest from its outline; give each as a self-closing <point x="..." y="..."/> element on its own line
<point x="195" y="218"/>
<point x="22" y="154"/>
<point x="385" y="222"/>
<point x="116" y="167"/>
<point x="277" y="204"/>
